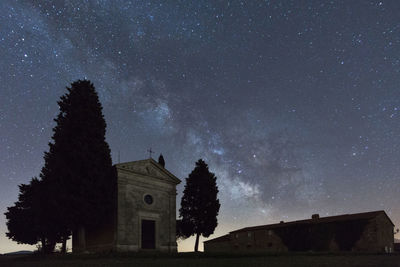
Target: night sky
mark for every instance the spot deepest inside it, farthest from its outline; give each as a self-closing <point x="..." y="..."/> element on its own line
<point x="295" y="105"/>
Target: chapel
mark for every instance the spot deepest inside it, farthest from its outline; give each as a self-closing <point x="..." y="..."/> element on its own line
<point x="145" y="212"/>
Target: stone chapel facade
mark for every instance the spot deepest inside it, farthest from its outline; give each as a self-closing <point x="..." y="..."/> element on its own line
<point x="145" y="213"/>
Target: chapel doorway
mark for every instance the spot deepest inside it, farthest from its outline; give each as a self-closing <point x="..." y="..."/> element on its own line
<point x="148" y="234"/>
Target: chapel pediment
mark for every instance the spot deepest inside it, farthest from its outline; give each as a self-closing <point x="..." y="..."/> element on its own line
<point x="149" y="167"/>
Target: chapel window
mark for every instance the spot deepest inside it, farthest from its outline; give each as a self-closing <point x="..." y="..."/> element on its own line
<point x="148" y="199"/>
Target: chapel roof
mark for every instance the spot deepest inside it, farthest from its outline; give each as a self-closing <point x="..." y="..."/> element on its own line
<point x="130" y="166"/>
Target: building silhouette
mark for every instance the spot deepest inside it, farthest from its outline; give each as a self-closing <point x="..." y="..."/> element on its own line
<point x="364" y="232"/>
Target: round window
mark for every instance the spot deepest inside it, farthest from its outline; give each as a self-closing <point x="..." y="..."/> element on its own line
<point x="148" y="199"/>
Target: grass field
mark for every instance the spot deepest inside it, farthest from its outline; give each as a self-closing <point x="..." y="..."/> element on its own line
<point x="193" y="260"/>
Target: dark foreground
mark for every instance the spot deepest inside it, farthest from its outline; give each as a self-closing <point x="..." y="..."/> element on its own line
<point x="208" y="260"/>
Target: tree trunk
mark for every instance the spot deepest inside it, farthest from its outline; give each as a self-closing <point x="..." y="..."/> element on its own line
<point x="43" y="240"/>
<point x="49" y="246"/>
<point x="82" y="239"/>
<point x="64" y="245"/>
<point x="196" y="245"/>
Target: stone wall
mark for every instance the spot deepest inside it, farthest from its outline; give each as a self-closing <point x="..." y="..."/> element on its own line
<point x="132" y="209"/>
<point x="258" y="240"/>
<point x="385" y="233"/>
<point x="218" y="246"/>
<point x="376" y="237"/>
<point x="248" y="241"/>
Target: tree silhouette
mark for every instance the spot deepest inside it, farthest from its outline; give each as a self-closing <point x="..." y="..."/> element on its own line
<point x="78" y="167"/>
<point x="161" y="160"/>
<point x="78" y="182"/>
<point x="199" y="204"/>
<point x="183" y="230"/>
<point x="29" y="221"/>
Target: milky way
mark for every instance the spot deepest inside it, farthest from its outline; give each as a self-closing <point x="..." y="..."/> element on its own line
<point x="294" y="106"/>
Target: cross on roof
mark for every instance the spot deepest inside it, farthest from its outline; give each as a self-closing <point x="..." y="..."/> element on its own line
<point x="150" y="151"/>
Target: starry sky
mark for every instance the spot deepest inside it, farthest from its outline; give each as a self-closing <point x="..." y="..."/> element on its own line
<point x="295" y="105"/>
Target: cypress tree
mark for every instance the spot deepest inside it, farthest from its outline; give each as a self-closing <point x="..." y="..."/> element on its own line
<point x="29" y="222"/>
<point x="161" y="160"/>
<point x="78" y="166"/>
<point x="19" y="217"/>
<point x="78" y="182"/>
<point x="199" y="204"/>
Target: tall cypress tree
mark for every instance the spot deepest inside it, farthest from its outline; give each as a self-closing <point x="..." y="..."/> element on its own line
<point x="77" y="186"/>
<point x="78" y="166"/>
<point x="199" y="204"/>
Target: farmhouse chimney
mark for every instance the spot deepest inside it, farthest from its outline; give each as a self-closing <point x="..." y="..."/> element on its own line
<point x="315" y="216"/>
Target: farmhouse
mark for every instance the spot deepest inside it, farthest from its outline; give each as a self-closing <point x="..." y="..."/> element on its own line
<point x="145" y="212"/>
<point x="364" y="232"/>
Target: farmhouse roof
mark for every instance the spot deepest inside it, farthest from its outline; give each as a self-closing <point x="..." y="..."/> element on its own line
<point x="317" y="219"/>
<point x="220" y="239"/>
